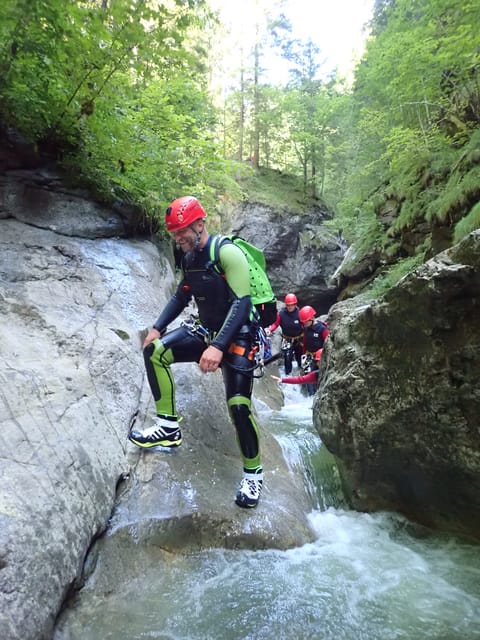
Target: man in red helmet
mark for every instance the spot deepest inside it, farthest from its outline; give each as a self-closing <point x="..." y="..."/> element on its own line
<point x="292" y="332"/>
<point x="315" y="333"/>
<point x="222" y="337"/>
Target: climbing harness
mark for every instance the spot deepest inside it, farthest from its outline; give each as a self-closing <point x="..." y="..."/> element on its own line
<point x="259" y="352"/>
<point x="195" y="328"/>
<point x="307" y="362"/>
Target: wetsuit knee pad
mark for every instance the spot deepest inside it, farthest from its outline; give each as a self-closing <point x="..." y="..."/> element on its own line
<point x="240" y="414"/>
<point x="148" y="351"/>
<point x="156" y="350"/>
<point x="247" y="432"/>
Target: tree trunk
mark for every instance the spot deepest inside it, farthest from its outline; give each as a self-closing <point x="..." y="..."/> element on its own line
<point x="256" y="106"/>
<point x="241" y="124"/>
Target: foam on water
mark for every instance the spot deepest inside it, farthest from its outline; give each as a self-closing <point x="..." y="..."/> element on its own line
<point x="365" y="577"/>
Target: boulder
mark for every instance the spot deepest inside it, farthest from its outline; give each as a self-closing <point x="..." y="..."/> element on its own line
<point x="302" y="252"/>
<point x="40" y="198"/>
<point x="399" y="400"/>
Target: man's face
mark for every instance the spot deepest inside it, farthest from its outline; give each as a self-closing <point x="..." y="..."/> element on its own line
<point x="187" y="238"/>
<point x="290" y="307"/>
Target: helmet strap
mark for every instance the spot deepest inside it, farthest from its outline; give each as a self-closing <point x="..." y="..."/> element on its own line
<point x="198" y="234"/>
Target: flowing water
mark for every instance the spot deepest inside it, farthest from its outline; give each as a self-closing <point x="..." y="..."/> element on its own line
<point x="365" y="577"/>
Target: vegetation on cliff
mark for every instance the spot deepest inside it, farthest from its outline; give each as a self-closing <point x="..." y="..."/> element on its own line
<point x="120" y="94"/>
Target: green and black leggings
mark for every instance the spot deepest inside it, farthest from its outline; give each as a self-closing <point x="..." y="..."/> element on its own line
<point x="187" y="345"/>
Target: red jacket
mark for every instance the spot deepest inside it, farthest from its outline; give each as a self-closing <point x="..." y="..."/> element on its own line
<point x="309" y="378"/>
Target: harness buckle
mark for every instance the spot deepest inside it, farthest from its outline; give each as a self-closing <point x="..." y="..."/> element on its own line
<point x="193" y="325"/>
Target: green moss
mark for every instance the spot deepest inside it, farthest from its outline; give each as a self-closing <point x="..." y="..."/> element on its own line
<point x="392" y="249"/>
<point x="274" y="189"/>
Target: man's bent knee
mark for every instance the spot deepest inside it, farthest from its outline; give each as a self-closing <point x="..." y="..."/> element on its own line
<point x="148" y="351"/>
<point x="240" y="414"/>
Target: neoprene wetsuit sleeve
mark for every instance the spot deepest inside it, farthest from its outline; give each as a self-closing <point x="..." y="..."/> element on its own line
<point x="236" y="317"/>
<point x="175" y="306"/>
<point x="308" y="378"/>
<point x="235" y="267"/>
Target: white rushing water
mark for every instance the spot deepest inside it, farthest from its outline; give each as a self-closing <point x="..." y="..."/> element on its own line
<point x="365" y="577"/>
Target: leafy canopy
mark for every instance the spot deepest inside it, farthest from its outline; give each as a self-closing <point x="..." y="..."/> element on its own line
<point x="117" y="89"/>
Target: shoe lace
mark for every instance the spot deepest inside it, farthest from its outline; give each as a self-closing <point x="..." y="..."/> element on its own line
<point x="161" y="430"/>
<point x="251" y="486"/>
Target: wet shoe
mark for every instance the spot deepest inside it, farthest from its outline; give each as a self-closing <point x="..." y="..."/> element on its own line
<point x="249" y="491"/>
<point x="164" y="433"/>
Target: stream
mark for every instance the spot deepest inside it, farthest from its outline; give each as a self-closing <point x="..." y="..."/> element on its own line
<point x="365" y="577"/>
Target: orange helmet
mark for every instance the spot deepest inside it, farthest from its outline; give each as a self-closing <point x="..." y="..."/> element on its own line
<point x="318" y="354"/>
<point x="306" y="313"/>
<point x="291" y="298"/>
<point x="182" y="212"/>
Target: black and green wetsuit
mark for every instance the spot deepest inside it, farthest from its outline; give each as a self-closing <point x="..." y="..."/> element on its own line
<point x="225" y="311"/>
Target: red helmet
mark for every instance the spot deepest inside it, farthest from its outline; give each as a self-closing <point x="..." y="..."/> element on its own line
<point x="318" y="354"/>
<point x="306" y="313"/>
<point x="182" y="212"/>
<point x="291" y="298"/>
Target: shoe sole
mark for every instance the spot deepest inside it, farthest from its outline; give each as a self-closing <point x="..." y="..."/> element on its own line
<point x="163" y="444"/>
<point x="246" y="505"/>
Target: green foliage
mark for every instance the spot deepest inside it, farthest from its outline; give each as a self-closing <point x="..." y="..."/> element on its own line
<point x="155" y="146"/>
<point x="58" y="57"/>
<point x="461" y="191"/>
<point x="414" y="122"/>
<point x="461" y="187"/>
<point x="390" y="277"/>
<point x="274" y="189"/>
<point x="370" y="235"/>
<point x="294" y="124"/>
<point x="118" y="90"/>
<point x="467" y="224"/>
<point x="110" y="87"/>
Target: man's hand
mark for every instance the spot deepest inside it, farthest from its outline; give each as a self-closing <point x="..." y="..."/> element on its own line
<point x="211" y="359"/>
<point x="276" y="378"/>
<point x="152" y="335"/>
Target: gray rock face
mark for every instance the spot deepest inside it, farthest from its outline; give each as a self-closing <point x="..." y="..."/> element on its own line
<point x="71" y="376"/>
<point x="302" y="253"/>
<point x="40" y="199"/>
<point x="399" y="398"/>
<point x="72" y="313"/>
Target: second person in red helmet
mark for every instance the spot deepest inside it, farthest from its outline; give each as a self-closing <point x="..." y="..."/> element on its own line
<point x="315" y="333"/>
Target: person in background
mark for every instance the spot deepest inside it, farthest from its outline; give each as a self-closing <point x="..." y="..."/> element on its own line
<point x="315" y="333"/>
<point x="308" y="378"/>
<point x="292" y="332"/>
<point x="222" y="338"/>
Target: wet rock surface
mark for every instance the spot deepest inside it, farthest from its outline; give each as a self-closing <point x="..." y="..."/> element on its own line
<point x="399" y="399"/>
<point x="74" y="308"/>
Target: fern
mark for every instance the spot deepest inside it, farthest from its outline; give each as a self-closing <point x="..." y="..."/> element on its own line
<point x="459" y="194"/>
<point x="392" y="276"/>
<point x="467" y="224"/>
